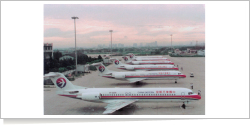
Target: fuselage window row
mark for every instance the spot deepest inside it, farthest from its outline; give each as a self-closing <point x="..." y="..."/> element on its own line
<point x="140" y="94"/>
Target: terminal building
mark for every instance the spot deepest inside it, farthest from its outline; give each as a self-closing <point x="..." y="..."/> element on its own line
<point x="48" y="50"/>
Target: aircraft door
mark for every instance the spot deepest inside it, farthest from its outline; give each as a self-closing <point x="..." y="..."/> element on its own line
<point x="183" y="96"/>
<point x="100" y="96"/>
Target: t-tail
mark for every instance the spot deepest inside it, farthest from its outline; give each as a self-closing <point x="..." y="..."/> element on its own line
<point x="127" y="60"/>
<point x="63" y="85"/>
<point x="131" y="56"/>
<point x="117" y="63"/>
<point x="102" y="69"/>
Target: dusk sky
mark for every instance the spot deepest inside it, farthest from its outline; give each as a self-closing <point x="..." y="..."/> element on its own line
<point x="131" y="23"/>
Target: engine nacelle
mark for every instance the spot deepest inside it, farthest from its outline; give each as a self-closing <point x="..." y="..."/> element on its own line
<point x="130" y="67"/>
<point x="135" y="63"/>
<point x="118" y="75"/>
<point x="90" y="96"/>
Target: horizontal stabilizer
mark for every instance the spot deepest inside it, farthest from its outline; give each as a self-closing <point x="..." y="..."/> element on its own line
<point x="96" y="64"/>
<point x="51" y="75"/>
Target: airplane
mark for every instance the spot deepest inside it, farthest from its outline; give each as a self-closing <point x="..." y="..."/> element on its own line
<point x="117" y="98"/>
<point x="146" y="58"/>
<point x="128" y="61"/>
<point x="138" y="76"/>
<point x="121" y="65"/>
<point x="149" y="59"/>
<point x="133" y="56"/>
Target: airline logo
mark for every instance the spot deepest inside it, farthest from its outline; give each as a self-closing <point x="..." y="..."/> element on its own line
<point x="61" y="82"/>
<point x="131" y="56"/>
<point x="101" y="68"/>
<point x="126" y="58"/>
<point x="116" y="62"/>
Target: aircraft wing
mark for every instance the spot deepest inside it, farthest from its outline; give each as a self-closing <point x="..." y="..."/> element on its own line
<point x="114" y="105"/>
<point x="132" y="80"/>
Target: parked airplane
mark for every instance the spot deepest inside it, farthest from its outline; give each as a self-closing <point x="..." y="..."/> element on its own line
<point x="121" y="65"/>
<point x="129" y="61"/>
<point x="133" y="56"/>
<point x="117" y="98"/>
<point x="138" y="76"/>
<point x="150" y="59"/>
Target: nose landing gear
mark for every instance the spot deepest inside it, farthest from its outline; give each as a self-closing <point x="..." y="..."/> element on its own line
<point x="183" y="106"/>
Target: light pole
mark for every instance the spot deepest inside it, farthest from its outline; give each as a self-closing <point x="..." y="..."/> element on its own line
<point x="111" y="40"/>
<point x="75" y="40"/>
<point x="171" y="41"/>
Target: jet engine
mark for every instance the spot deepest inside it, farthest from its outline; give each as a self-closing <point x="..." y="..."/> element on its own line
<point x="135" y="63"/>
<point x="130" y="68"/>
<point x="89" y="96"/>
<point x="118" y="75"/>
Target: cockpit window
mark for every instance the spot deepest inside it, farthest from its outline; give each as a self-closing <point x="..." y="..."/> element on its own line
<point x="179" y="73"/>
<point x="189" y="93"/>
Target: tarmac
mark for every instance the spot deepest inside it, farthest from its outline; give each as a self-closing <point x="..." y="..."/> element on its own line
<point x="58" y="105"/>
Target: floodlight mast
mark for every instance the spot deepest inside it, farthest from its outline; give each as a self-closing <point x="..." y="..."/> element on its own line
<point x="75" y="40"/>
<point x="111" y="40"/>
<point x="171" y="41"/>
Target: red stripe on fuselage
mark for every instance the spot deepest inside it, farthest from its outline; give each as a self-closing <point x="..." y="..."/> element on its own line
<point x="157" y="76"/>
<point x="158" y="68"/>
<point x="185" y="96"/>
<point x="156" y="63"/>
<point x="152" y="60"/>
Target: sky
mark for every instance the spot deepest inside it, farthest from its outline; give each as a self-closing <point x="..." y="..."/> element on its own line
<point x="131" y="23"/>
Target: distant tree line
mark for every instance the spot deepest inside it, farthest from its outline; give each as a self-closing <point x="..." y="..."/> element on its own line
<point x="57" y="65"/>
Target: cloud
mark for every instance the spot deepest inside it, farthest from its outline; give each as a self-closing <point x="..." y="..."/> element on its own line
<point x="130" y="23"/>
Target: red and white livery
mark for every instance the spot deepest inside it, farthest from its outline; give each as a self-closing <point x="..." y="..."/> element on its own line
<point x="147" y="58"/>
<point x="156" y="62"/>
<point x="121" y="65"/>
<point x="133" y="77"/>
<point x="117" y="98"/>
<point x="133" y="56"/>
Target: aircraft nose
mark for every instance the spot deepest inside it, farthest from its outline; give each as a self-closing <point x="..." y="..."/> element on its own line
<point x="177" y="68"/>
<point x="184" y="76"/>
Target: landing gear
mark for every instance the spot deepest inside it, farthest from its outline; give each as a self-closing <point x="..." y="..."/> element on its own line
<point x="183" y="106"/>
<point x="175" y="82"/>
<point x="137" y="83"/>
<point x="120" y="109"/>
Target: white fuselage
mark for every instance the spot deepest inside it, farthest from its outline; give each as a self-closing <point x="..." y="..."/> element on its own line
<point x="148" y="56"/>
<point x="148" y="67"/>
<point x="133" y="56"/>
<point x="150" y="59"/>
<point x="140" y="94"/>
<point x="149" y="62"/>
<point x="146" y="75"/>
